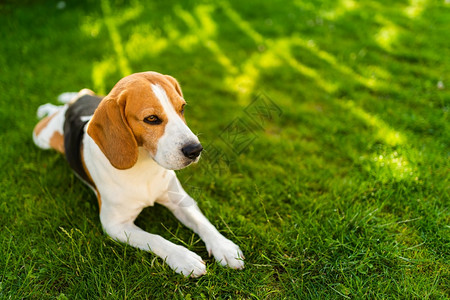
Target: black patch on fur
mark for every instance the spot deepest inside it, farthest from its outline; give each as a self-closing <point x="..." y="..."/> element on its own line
<point x="74" y="132"/>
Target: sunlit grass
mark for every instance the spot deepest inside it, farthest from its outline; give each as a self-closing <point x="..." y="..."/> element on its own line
<point x="144" y="43"/>
<point x="387" y="35"/>
<point x="116" y="39"/>
<point x="382" y="131"/>
<point x="340" y="192"/>
<point x="343" y="7"/>
<point x="415" y="8"/>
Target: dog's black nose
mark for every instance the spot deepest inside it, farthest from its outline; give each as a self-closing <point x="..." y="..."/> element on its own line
<point x="192" y="150"/>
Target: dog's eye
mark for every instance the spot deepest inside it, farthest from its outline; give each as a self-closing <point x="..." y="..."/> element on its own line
<point x="182" y="109"/>
<point x="153" y="120"/>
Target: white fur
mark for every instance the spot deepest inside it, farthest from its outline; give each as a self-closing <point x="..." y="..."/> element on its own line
<point x="86" y="118"/>
<point x="124" y="193"/>
<point x="47" y="110"/>
<point x="56" y="124"/>
<point x="70" y="97"/>
<point x="176" y="135"/>
<point x="67" y="97"/>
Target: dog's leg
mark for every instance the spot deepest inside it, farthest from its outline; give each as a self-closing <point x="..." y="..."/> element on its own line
<point x="119" y="227"/>
<point x="48" y="133"/>
<point x="186" y="210"/>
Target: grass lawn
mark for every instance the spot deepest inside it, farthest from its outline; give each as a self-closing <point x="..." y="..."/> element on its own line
<point x="326" y="128"/>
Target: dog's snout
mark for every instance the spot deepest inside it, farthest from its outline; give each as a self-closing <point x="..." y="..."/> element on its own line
<point x="192" y="150"/>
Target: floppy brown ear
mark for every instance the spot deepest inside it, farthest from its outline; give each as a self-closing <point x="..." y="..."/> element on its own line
<point x="175" y="83"/>
<point x="111" y="132"/>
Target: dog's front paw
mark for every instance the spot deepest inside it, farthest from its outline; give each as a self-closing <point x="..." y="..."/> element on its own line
<point x="186" y="262"/>
<point x="227" y="253"/>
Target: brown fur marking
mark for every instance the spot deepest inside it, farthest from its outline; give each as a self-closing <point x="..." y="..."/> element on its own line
<point x="57" y="142"/>
<point x="42" y="124"/>
<point x="118" y="126"/>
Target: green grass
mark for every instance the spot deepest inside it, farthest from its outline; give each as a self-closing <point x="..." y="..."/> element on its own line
<point x="343" y="195"/>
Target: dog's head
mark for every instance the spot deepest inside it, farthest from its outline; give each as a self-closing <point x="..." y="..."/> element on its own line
<point x="145" y="110"/>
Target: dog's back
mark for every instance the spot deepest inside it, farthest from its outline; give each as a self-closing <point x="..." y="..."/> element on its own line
<point x="49" y="132"/>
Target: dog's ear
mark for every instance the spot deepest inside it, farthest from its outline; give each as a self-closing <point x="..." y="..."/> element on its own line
<point x="110" y="131"/>
<point x="175" y="83"/>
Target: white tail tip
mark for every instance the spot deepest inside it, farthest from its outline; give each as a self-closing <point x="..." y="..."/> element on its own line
<point x="67" y="97"/>
<point x="46" y="109"/>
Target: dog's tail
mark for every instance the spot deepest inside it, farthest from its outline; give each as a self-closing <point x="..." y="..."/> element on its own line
<point x="71" y="97"/>
<point x="67" y="97"/>
<point x="49" y="132"/>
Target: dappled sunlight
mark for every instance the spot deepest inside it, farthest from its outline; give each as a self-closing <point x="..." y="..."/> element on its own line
<point x="108" y="66"/>
<point x="91" y="26"/>
<point x="241" y="24"/>
<point x="282" y="47"/>
<point x="393" y="165"/>
<point x="112" y="25"/>
<point x="203" y="30"/>
<point x="145" y="42"/>
<point x="244" y="83"/>
<point x="415" y="8"/>
<point x="389" y="164"/>
<point x="269" y="59"/>
<point x="387" y="35"/>
<point x="242" y="77"/>
<point x="383" y="131"/>
<point x="100" y="71"/>
<point x="342" y="7"/>
<point x="377" y="72"/>
<point x="311" y="46"/>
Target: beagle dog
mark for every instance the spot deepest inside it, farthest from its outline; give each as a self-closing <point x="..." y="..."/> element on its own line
<point x="125" y="147"/>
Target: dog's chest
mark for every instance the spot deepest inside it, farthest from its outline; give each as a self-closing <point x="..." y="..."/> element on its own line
<point x="145" y="184"/>
<point x="138" y="186"/>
